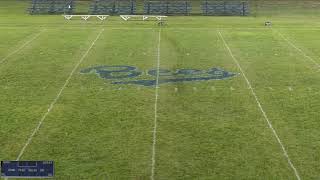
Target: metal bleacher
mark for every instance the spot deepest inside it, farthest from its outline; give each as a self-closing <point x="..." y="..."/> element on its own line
<point x="113" y="7"/>
<point x="225" y="8"/>
<point x="156" y="8"/>
<point x="51" y="7"/>
<point x="167" y="7"/>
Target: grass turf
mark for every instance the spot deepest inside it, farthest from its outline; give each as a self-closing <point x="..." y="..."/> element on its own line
<point x="205" y="130"/>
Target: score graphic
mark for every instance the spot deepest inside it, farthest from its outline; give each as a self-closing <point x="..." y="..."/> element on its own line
<point x="27" y="169"/>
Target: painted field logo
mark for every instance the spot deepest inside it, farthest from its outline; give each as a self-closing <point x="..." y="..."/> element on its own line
<point x="131" y="75"/>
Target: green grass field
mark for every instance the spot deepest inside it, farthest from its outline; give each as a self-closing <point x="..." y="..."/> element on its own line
<point x="261" y="123"/>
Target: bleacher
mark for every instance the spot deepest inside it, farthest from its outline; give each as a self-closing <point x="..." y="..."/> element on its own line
<point x="51" y="7"/>
<point x="167" y="7"/>
<point x="113" y="7"/>
<point x="147" y="7"/>
<point x="225" y="8"/>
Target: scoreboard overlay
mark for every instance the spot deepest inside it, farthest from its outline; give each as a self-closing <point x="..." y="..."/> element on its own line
<point x="27" y="169"/>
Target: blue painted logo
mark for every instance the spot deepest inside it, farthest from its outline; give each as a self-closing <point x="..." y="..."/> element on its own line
<point x="131" y="75"/>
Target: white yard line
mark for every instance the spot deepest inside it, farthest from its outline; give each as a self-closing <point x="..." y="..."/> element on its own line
<point x="298" y="49"/>
<point x="57" y="97"/>
<point x="21" y="47"/>
<point x="153" y="159"/>
<point x="285" y="153"/>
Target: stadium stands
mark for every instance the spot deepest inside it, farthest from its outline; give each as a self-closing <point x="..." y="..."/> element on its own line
<point x="225" y="8"/>
<point x="167" y="7"/>
<point x="147" y="7"/>
<point x="51" y="7"/>
<point x="113" y="7"/>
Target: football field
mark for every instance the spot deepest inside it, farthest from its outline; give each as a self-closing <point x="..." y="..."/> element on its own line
<point x="199" y="98"/>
